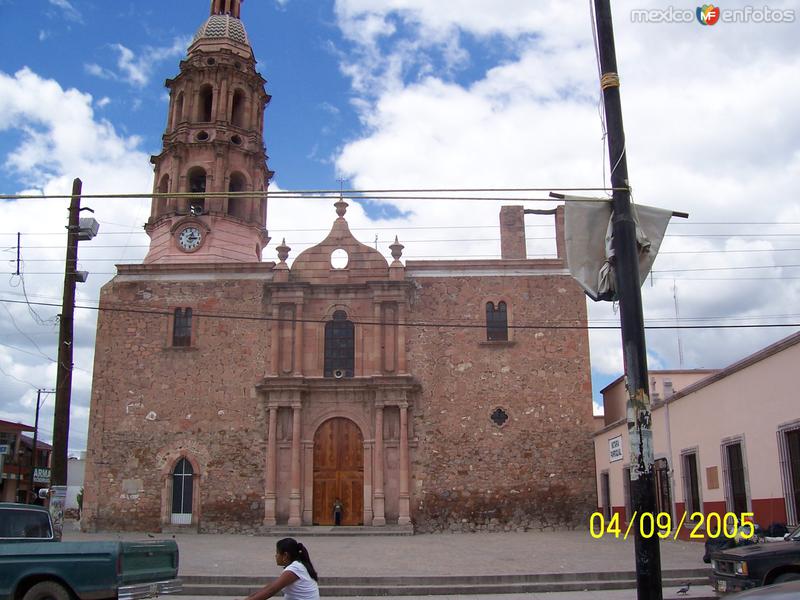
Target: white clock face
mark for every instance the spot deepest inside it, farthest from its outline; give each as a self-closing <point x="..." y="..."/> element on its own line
<point x="190" y="238"/>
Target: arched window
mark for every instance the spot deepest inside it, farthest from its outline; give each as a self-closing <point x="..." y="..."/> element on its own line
<point x="237" y="109"/>
<point x="206" y="103"/>
<point x="340" y="347"/>
<point x="182" y="492"/>
<point x="178" y="110"/>
<point x="496" y="322"/>
<point x="237" y="205"/>
<point x="197" y="185"/>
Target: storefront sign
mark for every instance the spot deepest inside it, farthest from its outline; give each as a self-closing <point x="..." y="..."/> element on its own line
<point x="41" y="475"/>
<point x="5" y="448"/>
<point x="615" y="449"/>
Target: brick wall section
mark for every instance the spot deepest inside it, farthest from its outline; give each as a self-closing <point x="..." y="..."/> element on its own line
<point x="152" y="403"/>
<point x="512" y="232"/>
<point x="536" y="470"/>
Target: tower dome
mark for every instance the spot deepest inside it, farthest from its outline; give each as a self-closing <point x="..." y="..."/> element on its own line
<point x="223" y="29"/>
<point x="222" y="26"/>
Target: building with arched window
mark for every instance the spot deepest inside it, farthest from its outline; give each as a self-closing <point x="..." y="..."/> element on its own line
<point x="239" y="394"/>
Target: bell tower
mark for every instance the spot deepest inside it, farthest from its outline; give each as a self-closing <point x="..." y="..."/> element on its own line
<point x="213" y="143"/>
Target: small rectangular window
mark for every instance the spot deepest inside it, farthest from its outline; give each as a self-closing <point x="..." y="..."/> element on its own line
<point x="182" y="327"/>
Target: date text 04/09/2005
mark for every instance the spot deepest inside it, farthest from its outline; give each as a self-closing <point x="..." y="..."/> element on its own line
<point x="711" y="525"/>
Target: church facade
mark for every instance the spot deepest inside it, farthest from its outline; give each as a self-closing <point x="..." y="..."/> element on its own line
<point x="234" y="394"/>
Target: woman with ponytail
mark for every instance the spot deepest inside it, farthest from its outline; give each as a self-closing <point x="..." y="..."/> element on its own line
<point x="299" y="578"/>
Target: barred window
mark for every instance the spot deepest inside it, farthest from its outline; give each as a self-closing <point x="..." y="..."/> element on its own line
<point x="496" y="322"/>
<point x="182" y="328"/>
<point x="339" y="346"/>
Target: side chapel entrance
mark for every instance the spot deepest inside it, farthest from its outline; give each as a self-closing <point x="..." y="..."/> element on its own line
<point x="338" y="472"/>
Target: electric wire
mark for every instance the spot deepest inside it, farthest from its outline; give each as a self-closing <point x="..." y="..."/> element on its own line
<point x="408" y="324"/>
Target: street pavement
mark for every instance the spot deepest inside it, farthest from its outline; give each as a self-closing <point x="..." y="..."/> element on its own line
<point x="508" y="553"/>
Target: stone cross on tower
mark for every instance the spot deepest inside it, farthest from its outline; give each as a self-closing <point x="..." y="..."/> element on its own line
<point x="213" y="144"/>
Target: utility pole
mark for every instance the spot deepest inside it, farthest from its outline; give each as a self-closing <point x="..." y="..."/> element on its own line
<point x="64" y="372"/>
<point x="626" y="260"/>
<point x="39" y="393"/>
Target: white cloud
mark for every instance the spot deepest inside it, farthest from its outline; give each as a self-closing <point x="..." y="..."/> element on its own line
<point x="135" y="69"/>
<point x="711" y="141"/>
<point x="103" y="102"/>
<point x="68" y="10"/>
<point x="61" y="138"/>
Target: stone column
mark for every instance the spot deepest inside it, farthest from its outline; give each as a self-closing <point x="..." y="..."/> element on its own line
<point x="272" y="466"/>
<point x="298" y="340"/>
<point x="377" y="333"/>
<point x="378" y="504"/>
<point x="294" y="495"/>
<point x="274" y="367"/>
<point x="402" y="314"/>
<point x="222" y="105"/>
<point x="405" y="512"/>
<point x="308" y="483"/>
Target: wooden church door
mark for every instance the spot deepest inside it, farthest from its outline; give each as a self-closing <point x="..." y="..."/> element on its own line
<point x="338" y="472"/>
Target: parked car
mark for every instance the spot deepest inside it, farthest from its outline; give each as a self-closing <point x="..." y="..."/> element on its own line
<point x="779" y="591"/>
<point x="745" y="567"/>
<point x="35" y="565"/>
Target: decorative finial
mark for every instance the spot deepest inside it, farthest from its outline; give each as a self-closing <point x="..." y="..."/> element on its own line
<point x="283" y="251"/>
<point x="397" y="249"/>
<point x="341" y="207"/>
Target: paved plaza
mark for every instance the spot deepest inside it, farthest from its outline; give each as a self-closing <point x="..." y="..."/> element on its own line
<point x="462" y="554"/>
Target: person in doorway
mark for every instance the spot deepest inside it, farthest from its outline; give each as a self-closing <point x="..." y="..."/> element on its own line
<point x="338" y="507"/>
<point x="299" y="578"/>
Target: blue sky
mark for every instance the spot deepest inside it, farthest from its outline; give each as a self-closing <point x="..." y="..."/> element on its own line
<point x="413" y="93"/>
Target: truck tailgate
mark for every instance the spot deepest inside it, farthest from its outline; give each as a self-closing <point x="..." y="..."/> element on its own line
<point x="148" y="561"/>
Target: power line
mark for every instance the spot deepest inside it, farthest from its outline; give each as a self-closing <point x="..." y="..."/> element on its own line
<point x="419" y="324"/>
<point x="376" y="194"/>
<point x="651" y="319"/>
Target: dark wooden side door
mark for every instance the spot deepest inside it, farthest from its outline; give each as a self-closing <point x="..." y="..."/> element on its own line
<point x="338" y="472"/>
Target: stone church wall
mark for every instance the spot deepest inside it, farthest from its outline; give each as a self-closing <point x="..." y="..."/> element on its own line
<point x="534" y="470"/>
<point x="153" y="404"/>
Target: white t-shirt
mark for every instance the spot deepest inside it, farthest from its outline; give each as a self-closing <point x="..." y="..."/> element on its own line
<point x="304" y="588"/>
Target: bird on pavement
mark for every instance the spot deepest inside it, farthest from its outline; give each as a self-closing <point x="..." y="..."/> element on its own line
<point x="685" y="589"/>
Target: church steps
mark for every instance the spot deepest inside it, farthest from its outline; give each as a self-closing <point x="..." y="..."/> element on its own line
<point x="200" y="585"/>
<point x="340" y="531"/>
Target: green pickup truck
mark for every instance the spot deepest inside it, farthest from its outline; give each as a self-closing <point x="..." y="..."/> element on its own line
<point x="36" y="565"/>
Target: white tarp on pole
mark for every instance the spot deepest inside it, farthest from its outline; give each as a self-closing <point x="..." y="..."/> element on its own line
<point x="588" y="233"/>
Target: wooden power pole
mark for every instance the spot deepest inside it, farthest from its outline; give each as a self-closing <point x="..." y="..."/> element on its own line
<point x="626" y="261"/>
<point x="64" y="368"/>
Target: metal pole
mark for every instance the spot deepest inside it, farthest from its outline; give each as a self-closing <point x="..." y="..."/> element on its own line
<point x="35" y="436"/>
<point x="31" y="495"/>
<point x="64" y="372"/>
<point x="648" y="558"/>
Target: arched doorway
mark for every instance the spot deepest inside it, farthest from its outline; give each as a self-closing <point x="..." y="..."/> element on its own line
<point x="182" y="492"/>
<point x="338" y="472"/>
